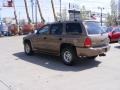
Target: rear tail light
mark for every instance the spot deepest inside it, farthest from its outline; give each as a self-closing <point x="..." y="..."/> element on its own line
<point x="88" y="42"/>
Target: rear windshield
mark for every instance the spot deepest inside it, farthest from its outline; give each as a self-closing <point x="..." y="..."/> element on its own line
<point x="109" y="29"/>
<point x="93" y="27"/>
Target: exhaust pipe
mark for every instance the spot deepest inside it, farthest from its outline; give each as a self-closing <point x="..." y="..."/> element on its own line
<point x="103" y="54"/>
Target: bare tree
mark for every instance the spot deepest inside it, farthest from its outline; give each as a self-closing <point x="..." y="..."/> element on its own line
<point x="114" y="15"/>
<point x="63" y="16"/>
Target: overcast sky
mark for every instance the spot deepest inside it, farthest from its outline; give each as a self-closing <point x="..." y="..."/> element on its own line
<point x="47" y="10"/>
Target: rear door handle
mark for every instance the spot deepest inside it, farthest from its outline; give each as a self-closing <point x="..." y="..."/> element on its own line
<point x="60" y="39"/>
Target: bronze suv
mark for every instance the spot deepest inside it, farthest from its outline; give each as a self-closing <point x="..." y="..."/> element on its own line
<point x="69" y="39"/>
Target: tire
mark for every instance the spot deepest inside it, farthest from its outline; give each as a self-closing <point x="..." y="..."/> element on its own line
<point x="28" y="49"/>
<point x="68" y="55"/>
<point x="92" y="57"/>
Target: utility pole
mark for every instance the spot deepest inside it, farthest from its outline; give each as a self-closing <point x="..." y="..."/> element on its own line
<point x="39" y="8"/>
<point x="53" y="8"/>
<point x="101" y="9"/>
<point x="15" y="13"/>
<point x="0" y="14"/>
<point x="36" y="12"/>
<point x="28" y="17"/>
<point x="60" y="11"/>
<point x="19" y="17"/>
<point x="32" y="6"/>
<point x="0" y="19"/>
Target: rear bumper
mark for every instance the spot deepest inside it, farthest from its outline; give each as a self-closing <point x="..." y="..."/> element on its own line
<point x="91" y="51"/>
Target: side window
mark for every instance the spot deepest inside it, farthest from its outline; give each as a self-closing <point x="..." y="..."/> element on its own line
<point x="56" y="29"/>
<point x="44" y="30"/>
<point x="73" y="28"/>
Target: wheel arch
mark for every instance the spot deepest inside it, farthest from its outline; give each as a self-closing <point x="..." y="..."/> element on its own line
<point x="69" y="45"/>
<point x="26" y="41"/>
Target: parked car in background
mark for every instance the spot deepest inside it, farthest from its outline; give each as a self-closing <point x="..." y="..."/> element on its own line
<point x="27" y="28"/>
<point x="69" y="39"/>
<point x="38" y="25"/>
<point x="119" y="41"/>
<point x="0" y="33"/>
<point x="4" y="29"/>
<point x="113" y="33"/>
<point x="13" y="30"/>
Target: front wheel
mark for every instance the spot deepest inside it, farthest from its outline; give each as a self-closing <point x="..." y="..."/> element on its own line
<point x="68" y="56"/>
<point x="28" y="49"/>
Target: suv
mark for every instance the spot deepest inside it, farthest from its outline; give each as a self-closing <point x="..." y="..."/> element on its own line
<point x="69" y="39"/>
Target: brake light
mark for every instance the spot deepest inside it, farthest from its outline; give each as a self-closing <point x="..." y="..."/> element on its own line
<point x="87" y="42"/>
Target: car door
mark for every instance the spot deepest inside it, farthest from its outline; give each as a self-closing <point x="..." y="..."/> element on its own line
<point x="116" y="34"/>
<point x="55" y="38"/>
<point x="40" y="38"/>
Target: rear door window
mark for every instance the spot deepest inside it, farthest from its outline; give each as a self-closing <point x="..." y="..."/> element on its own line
<point x="56" y="29"/>
<point x="73" y="28"/>
<point x="93" y="28"/>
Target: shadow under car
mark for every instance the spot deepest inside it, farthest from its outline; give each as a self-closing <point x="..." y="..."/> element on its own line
<point x="54" y="63"/>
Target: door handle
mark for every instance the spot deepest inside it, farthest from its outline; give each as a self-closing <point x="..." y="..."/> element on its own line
<point x="45" y="38"/>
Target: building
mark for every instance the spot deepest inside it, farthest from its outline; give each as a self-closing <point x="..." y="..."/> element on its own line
<point x="74" y="12"/>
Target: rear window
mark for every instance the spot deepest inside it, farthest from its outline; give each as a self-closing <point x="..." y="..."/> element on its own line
<point x="109" y="29"/>
<point x="93" y="27"/>
<point x="73" y="28"/>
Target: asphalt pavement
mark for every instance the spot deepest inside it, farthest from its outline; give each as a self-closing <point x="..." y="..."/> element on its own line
<point x="45" y="72"/>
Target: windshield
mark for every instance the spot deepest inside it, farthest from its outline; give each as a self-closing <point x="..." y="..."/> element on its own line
<point x="93" y="27"/>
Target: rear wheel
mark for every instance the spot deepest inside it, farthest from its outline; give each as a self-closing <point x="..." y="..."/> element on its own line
<point x="27" y="48"/>
<point x="68" y="55"/>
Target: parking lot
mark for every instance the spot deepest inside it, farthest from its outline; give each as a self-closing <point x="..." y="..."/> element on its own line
<point x="45" y="72"/>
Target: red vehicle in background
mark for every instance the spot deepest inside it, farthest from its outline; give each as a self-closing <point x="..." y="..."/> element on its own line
<point x="114" y="33"/>
<point x="27" y="28"/>
<point x="38" y="25"/>
<point x="13" y="29"/>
